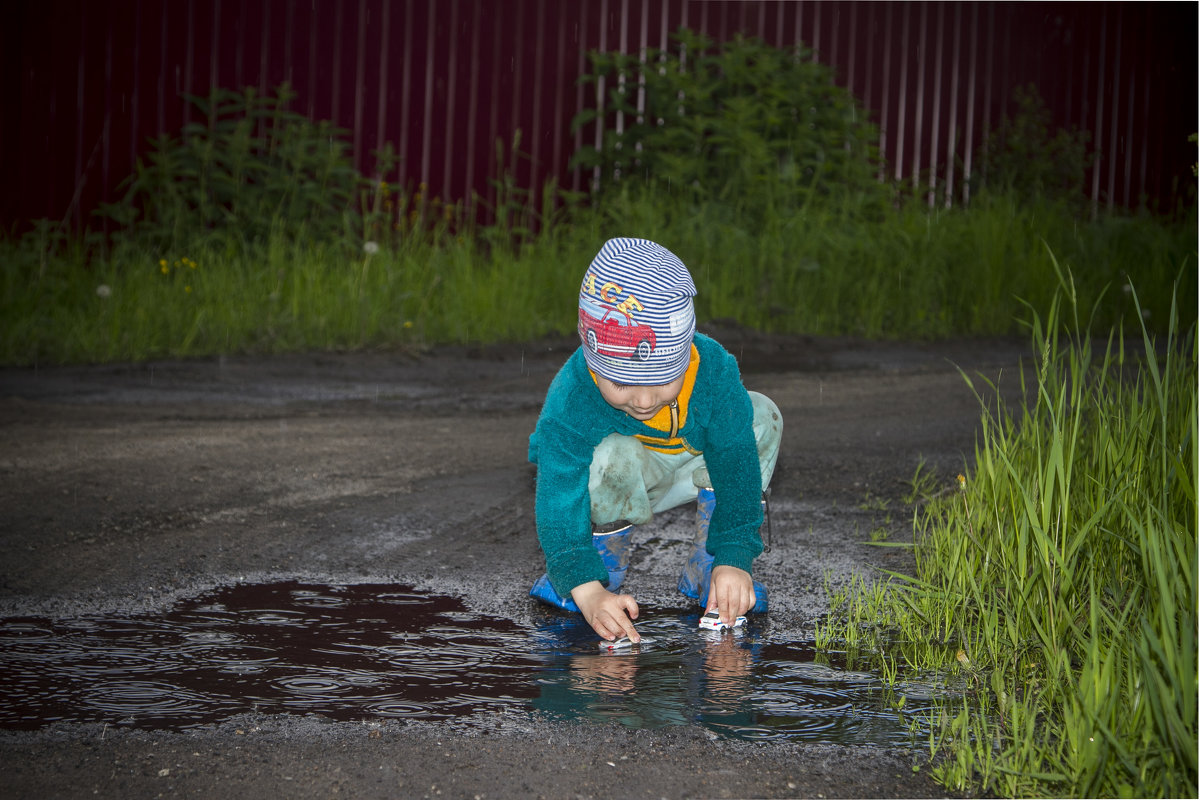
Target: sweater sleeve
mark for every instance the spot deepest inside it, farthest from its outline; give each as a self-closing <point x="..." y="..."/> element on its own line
<point x="731" y="455"/>
<point x="561" y="446"/>
<point x="563" y="509"/>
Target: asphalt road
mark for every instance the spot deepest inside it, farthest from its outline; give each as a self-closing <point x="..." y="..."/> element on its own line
<point x="129" y="488"/>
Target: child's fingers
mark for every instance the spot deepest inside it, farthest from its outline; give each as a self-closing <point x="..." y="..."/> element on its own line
<point x="611" y="616"/>
<point x="730" y="595"/>
<point x="626" y="612"/>
<point x="629" y="604"/>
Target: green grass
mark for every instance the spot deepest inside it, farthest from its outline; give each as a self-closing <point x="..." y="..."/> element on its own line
<point x="914" y="274"/>
<point x="1061" y="570"/>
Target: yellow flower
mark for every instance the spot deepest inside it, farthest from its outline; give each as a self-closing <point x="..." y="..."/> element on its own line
<point x="164" y="269"/>
<point x="187" y="289"/>
<point x="162" y="262"/>
<point x="962" y="482"/>
<point x="408" y="323"/>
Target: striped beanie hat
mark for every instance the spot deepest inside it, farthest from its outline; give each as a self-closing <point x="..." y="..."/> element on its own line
<point x="636" y="318"/>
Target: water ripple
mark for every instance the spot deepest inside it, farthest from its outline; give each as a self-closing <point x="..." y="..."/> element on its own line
<point x="350" y="652"/>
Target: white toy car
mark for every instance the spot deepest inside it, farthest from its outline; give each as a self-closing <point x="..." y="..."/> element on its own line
<point x="712" y="622"/>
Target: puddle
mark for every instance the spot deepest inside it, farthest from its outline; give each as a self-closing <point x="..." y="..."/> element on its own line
<point x="370" y="651"/>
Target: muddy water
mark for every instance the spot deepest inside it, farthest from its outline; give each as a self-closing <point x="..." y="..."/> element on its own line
<point x="383" y="651"/>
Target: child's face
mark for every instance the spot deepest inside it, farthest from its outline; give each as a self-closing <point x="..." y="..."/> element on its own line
<point x="639" y="402"/>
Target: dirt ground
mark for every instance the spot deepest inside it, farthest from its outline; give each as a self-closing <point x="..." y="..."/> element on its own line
<point x="128" y="487"/>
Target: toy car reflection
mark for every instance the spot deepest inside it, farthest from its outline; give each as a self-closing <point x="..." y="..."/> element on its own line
<point x="615" y="333"/>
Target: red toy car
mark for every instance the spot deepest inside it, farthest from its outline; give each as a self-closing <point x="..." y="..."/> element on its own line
<point x="616" y="334"/>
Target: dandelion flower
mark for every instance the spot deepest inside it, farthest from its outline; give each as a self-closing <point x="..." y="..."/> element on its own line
<point x="164" y="269"/>
<point x="370" y="248"/>
<point x="408" y="323"/>
<point x="103" y="290"/>
<point x="162" y="262"/>
<point x="962" y="481"/>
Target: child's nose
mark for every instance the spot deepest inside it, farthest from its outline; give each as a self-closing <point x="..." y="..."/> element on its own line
<point x="645" y="399"/>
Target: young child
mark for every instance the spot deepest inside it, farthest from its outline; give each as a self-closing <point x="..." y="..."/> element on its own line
<point x="645" y="416"/>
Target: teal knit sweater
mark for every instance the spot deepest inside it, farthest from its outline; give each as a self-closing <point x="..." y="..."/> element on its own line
<point x="575" y="418"/>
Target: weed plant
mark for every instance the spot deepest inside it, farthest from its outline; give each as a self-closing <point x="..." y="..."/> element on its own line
<point x="744" y="126"/>
<point x="1062" y="570"/>
<point x="1027" y="160"/>
<point x="250" y="169"/>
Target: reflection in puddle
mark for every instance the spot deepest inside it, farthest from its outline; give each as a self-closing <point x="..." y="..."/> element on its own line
<point x="372" y="651"/>
<point x="737" y="685"/>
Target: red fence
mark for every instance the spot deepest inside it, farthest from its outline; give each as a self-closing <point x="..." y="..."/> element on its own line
<point x="86" y="83"/>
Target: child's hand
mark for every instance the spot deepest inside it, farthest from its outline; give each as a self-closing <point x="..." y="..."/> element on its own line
<point x="609" y="614"/>
<point x="731" y="591"/>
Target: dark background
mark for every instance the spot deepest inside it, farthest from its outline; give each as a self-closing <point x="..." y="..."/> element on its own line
<point x="86" y="84"/>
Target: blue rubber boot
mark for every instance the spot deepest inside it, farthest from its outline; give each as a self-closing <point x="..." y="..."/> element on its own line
<point x="697" y="572"/>
<point x="614" y="544"/>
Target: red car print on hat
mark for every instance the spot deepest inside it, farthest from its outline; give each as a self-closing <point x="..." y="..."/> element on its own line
<point x="616" y="334"/>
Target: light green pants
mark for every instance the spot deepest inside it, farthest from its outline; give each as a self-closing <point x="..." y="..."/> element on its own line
<point x="631" y="482"/>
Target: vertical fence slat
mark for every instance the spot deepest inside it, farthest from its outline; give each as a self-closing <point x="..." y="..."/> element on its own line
<point x="936" y="127"/>
<point x="381" y="102"/>
<point x="360" y="66"/>
<point x="213" y="47"/>
<point x="106" y="128"/>
<point x="539" y="73"/>
<point x="581" y="41"/>
<point x="1098" y="135"/>
<point x="264" y="48"/>
<point x="852" y="47"/>
<point x="289" y="31"/>
<point x="1115" y="107"/>
<point x="189" y="59"/>
<point x="885" y="82"/>
<point x="560" y="73"/>
<point x="952" y="138"/>
<point x="335" y="85"/>
<point x="313" y="87"/>
<point x="919" y="113"/>
<point x="472" y="109"/>
<point x="902" y="100"/>
<point x="988" y="78"/>
<point x="969" y="133"/>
